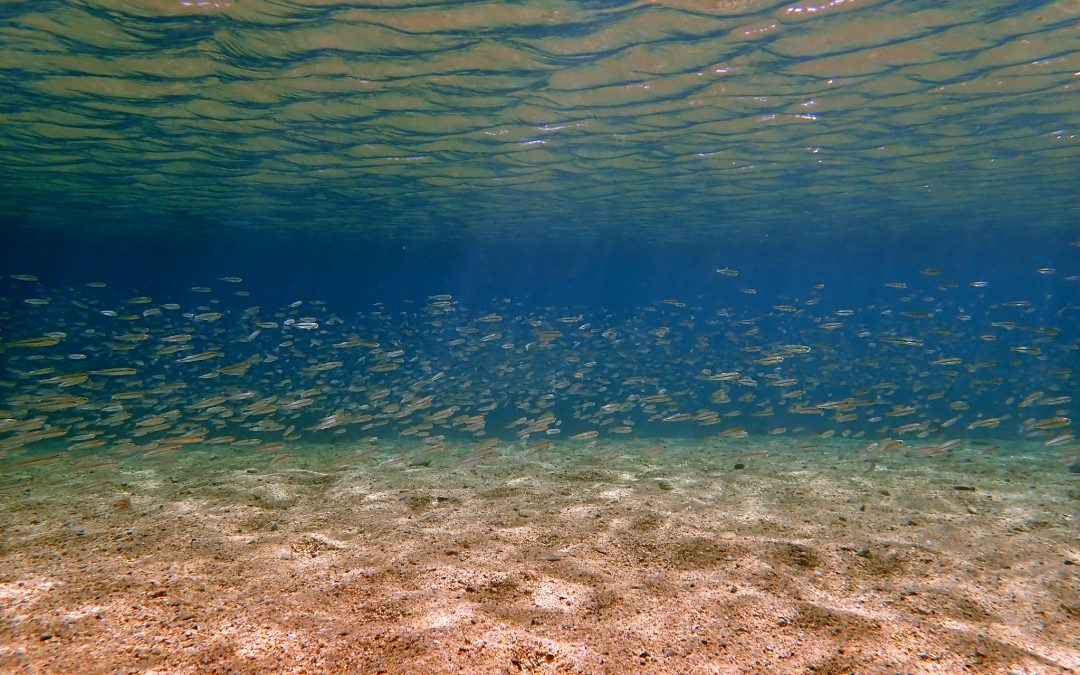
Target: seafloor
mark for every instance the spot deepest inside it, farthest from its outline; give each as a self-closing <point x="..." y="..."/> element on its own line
<point x="645" y="556"/>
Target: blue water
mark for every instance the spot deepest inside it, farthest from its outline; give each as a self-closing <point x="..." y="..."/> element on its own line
<point x="483" y="336"/>
<point x="799" y="221"/>
<point x="618" y="272"/>
<point x="986" y="328"/>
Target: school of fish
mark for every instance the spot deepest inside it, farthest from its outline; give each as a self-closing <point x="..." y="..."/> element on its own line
<point x="93" y="370"/>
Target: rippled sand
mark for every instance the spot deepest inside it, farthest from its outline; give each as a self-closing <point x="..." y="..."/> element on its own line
<point x="583" y="559"/>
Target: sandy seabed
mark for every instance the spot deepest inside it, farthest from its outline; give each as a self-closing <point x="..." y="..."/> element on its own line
<point x="637" y="557"/>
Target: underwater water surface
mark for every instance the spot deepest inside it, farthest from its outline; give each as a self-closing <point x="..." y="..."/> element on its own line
<point x="730" y="336"/>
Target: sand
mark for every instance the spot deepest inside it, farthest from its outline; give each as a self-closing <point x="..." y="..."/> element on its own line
<point x="600" y="558"/>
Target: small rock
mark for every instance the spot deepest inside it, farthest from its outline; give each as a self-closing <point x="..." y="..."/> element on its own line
<point x="46" y="636"/>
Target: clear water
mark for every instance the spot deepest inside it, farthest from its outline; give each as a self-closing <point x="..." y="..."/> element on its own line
<point x="472" y="237"/>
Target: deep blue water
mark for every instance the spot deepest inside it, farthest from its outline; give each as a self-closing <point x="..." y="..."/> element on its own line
<point x="356" y="271"/>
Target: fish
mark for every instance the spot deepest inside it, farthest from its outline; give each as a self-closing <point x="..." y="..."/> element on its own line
<point x="114" y="372"/>
<point x="31" y="343"/>
<point x="778" y="365"/>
